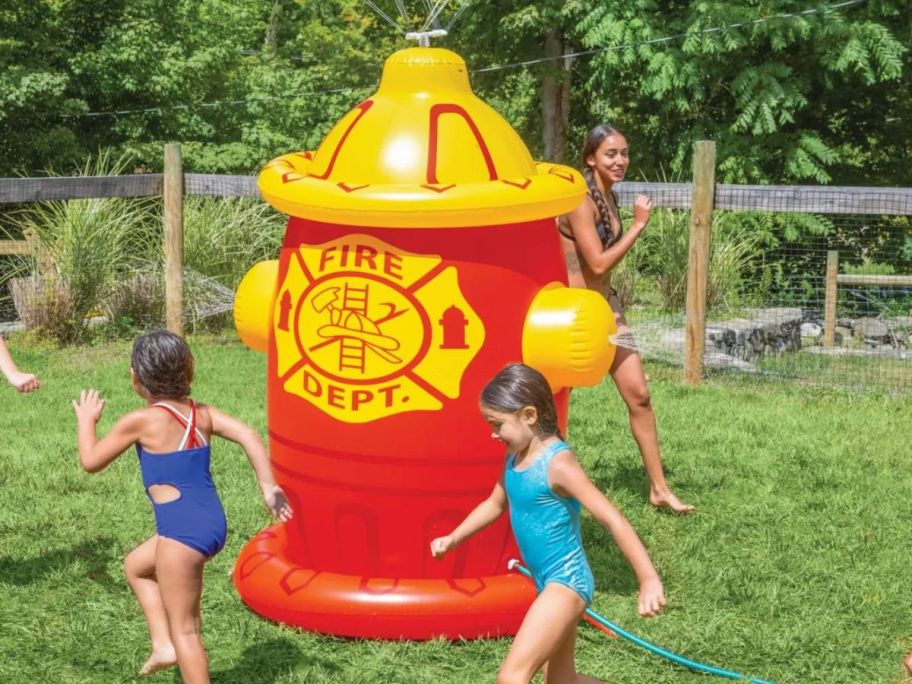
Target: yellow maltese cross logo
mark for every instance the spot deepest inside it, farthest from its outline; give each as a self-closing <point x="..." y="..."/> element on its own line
<point x="365" y="330"/>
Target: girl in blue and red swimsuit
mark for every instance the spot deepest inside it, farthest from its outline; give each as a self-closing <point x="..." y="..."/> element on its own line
<point x="172" y="435"/>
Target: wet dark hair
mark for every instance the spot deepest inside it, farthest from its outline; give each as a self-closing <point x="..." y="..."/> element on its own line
<point x="518" y="386"/>
<point x="163" y="364"/>
<point x="594" y="138"/>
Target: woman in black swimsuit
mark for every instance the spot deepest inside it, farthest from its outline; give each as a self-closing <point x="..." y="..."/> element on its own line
<point x="594" y="242"/>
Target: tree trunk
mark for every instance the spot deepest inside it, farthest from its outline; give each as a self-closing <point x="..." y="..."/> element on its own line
<point x="271" y="41"/>
<point x="555" y="97"/>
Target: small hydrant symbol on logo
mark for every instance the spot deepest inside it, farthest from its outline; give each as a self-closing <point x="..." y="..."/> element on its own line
<point x="365" y="330"/>
<point x="454" y="324"/>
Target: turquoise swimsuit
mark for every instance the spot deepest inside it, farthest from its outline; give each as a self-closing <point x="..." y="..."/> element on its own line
<point x="547" y="526"/>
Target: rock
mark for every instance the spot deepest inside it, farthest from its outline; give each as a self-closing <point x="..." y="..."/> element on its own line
<point x="738" y="342"/>
<point x="872" y="329"/>
<point x="899" y="323"/>
<point x="811" y="330"/>
<point x="10" y="326"/>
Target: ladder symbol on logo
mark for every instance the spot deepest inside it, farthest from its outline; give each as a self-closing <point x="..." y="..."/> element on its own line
<point x="350" y="326"/>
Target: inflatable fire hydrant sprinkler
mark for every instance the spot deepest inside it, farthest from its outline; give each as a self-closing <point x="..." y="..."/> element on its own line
<point x="420" y="257"/>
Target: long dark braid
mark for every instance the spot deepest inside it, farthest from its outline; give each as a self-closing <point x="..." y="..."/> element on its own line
<point x="594" y="138"/>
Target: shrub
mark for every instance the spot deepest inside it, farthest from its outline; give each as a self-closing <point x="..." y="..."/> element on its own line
<point x="225" y="236"/>
<point x="93" y="246"/>
<point x="664" y="246"/>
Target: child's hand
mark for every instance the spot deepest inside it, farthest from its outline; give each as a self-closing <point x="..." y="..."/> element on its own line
<point x="443" y="545"/>
<point x="89" y="406"/>
<point x="24" y="382"/>
<point x="277" y="503"/>
<point x="652" y="597"/>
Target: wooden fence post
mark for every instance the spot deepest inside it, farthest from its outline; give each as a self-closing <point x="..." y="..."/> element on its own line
<point x="173" y="192"/>
<point x="44" y="261"/>
<point x="704" y="183"/>
<point x="829" y="303"/>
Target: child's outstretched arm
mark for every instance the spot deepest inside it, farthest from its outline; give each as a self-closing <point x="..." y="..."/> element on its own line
<point x="95" y="454"/>
<point x="567" y="477"/>
<point x="481" y="516"/>
<point x="24" y="382"/>
<point x="232" y="429"/>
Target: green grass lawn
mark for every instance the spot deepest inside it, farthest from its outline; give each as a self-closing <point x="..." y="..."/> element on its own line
<point x="796" y="568"/>
<point x="880" y="372"/>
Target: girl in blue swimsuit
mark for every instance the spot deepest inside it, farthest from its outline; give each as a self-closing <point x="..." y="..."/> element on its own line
<point x="172" y="436"/>
<point x="545" y="487"/>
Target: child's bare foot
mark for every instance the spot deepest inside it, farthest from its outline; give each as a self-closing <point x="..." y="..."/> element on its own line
<point x="907" y="664"/>
<point x="160" y="659"/>
<point x="667" y="499"/>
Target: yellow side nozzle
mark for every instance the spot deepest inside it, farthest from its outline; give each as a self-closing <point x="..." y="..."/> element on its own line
<point x="567" y="336"/>
<point x="253" y="304"/>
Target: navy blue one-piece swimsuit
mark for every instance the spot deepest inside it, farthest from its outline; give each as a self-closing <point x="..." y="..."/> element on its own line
<point x="196" y="518"/>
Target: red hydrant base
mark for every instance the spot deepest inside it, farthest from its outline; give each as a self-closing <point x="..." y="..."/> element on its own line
<point x="375" y="607"/>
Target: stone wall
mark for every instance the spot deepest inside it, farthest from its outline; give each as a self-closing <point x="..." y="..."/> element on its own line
<point x="768" y="332"/>
<point x="738" y="342"/>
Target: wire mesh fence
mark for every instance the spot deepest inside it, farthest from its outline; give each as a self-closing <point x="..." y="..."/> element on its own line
<point x="809" y="284"/>
<point x="97" y="251"/>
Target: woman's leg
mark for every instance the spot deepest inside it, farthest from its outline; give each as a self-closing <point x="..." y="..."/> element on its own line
<point x="180" y="576"/>
<point x="139" y="567"/>
<point x="627" y="373"/>
<point x="551" y="618"/>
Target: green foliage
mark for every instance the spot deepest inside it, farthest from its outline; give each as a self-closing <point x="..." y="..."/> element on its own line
<point x="94" y="244"/>
<point x="869" y="268"/>
<point x="230" y="80"/>
<point x="811" y="98"/>
<point x="224" y="237"/>
<point x="784" y="99"/>
<point x="662" y="255"/>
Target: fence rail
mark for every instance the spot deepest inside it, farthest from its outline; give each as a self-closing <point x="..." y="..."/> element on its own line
<point x="833" y="279"/>
<point x="16" y="247"/>
<point x="701" y="198"/>
<point x="812" y="199"/>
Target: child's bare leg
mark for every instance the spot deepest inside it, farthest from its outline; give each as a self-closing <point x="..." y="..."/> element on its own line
<point x="550" y="619"/>
<point x="561" y="666"/>
<point x="139" y="567"/>
<point x="180" y="577"/>
<point x="628" y="375"/>
<point x="907" y="663"/>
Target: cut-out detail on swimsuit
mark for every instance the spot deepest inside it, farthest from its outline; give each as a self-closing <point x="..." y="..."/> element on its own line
<point x="163" y="493"/>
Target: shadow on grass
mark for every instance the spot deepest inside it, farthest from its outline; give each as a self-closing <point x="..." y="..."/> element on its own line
<point x="633" y="480"/>
<point x="609" y="566"/>
<point x="96" y="553"/>
<point x="267" y="661"/>
<point x="629" y="478"/>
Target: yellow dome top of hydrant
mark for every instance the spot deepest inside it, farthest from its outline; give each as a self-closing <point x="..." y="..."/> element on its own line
<point x="422" y="152"/>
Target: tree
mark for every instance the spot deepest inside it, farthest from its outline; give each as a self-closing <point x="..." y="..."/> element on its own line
<point x="776" y="95"/>
<point x="236" y="81"/>
<point x="536" y="99"/>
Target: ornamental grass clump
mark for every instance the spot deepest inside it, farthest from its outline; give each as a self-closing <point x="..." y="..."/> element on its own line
<point x="89" y="248"/>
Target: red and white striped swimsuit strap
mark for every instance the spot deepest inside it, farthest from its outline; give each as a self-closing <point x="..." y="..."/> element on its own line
<point x="192" y="438"/>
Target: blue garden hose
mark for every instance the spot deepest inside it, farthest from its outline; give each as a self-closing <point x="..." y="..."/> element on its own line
<point x="652" y="648"/>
